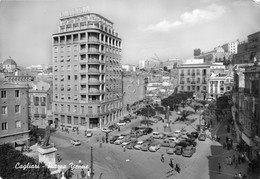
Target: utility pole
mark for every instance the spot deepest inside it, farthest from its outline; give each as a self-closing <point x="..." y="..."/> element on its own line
<point x="91" y="164"/>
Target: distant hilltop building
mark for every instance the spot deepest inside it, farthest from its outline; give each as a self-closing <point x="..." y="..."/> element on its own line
<point x="9" y="65"/>
<point x="129" y="67"/>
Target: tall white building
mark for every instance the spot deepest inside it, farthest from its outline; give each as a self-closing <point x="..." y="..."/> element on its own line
<point x="141" y="64"/>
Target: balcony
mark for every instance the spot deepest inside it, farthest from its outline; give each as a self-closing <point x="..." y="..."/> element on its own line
<point x="182" y="82"/>
<point x="93" y="70"/>
<point x="204" y="74"/>
<point x="94" y="101"/>
<point x="93" y="61"/>
<point x="182" y="74"/>
<point x="43" y="115"/>
<point x="193" y="74"/>
<point x="204" y="82"/>
<point x="193" y="82"/>
<point x="36" y="115"/>
<point x="43" y="103"/>
<point x="94" y="92"/>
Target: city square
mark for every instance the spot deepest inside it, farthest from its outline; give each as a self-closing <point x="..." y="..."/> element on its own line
<point x="130" y="90"/>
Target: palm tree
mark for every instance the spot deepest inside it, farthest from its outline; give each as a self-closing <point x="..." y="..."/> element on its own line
<point x="196" y="106"/>
<point x="184" y="114"/>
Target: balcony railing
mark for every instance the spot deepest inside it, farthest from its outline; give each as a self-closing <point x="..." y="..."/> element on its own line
<point x="93" y="60"/>
<point x="193" y="74"/>
<point x="36" y="115"/>
<point x="43" y="115"/>
<point x="93" y="70"/>
<point x="43" y="103"/>
<point x="36" y="103"/>
<point x="193" y="82"/>
<point x="182" y="74"/>
<point x="182" y="82"/>
<point x="204" y="82"/>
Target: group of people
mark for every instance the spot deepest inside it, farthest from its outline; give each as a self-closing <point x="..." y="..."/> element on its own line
<point x="239" y="176"/>
<point x="177" y="166"/>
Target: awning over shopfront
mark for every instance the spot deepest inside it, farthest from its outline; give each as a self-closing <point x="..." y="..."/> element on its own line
<point x="248" y="141"/>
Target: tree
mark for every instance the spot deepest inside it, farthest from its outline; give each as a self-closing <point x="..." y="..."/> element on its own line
<point x="147" y="110"/>
<point x="176" y="99"/>
<point x="11" y="159"/>
<point x="184" y="114"/>
<point x="197" y="52"/>
<point x="196" y="106"/>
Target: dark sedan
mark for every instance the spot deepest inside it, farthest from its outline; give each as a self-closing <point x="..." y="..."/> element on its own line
<point x="147" y="131"/>
<point x="194" y="134"/>
<point x="131" y="145"/>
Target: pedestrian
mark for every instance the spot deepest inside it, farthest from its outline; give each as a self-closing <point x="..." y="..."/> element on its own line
<point x="240" y="175"/>
<point x="219" y="168"/>
<point x="85" y="133"/>
<point x="230" y="160"/>
<point x="227" y="162"/>
<point x="234" y="159"/>
<point x="177" y="168"/>
<point x="239" y="159"/>
<point x="231" y="143"/>
<point x="124" y="148"/>
<point x="162" y="157"/>
<point x="235" y="176"/>
<point x="227" y="139"/>
<point x="236" y="164"/>
<point x="77" y="130"/>
<point x="171" y="163"/>
<point x="61" y="129"/>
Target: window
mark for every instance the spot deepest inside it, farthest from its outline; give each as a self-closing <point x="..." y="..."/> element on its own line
<point x="17" y="124"/>
<point x="90" y="110"/>
<point x="17" y="108"/>
<point x="75" y="67"/>
<point x="82" y="109"/>
<point x="17" y="93"/>
<point x="56" y="107"/>
<point x="68" y="48"/>
<point x="188" y="87"/>
<point x="61" y="107"/>
<point x="75" y="77"/>
<point x="36" y="111"/>
<point x="4" y="126"/>
<point x="68" y="68"/>
<point x="76" y="87"/>
<point x="4" y="110"/>
<point x="69" y="119"/>
<point x="3" y="94"/>
<point x="83" y="121"/>
<point x="68" y="108"/>
<point x="62" y="118"/>
<point x="76" y="121"/>
<point x="43" y="111"/>
<point x="68" y="77"/>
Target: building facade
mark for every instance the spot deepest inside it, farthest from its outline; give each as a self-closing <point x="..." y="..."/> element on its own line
<point x="248" y="50"/>
<point x="40" y="104"/>
<point x="219" y="84"/>
<point x="14" y="117"/>
<point x="87" y="85"/>
<point x="194" y="78"/>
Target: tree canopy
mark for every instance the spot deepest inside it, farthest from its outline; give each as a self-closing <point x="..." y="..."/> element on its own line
<point x="12" y="159"/>
<point x="176" y="98"/>
<point x="184" y="115"/>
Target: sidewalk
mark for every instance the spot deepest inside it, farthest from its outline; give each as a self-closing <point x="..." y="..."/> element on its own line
<point x="227" y="171"/>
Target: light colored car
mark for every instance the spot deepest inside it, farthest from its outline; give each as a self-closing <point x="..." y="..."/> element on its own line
<point x="154" y="147"/>
<point x="188" y="151"/>
<point x="184" y="137"/>
<point x="138" y="145"/>
<point x="202" y="137"/>
<point x="174" y="139"/>
<point x="170" y="151"/>
<point x="75" y="142"/>
<point x="157" y="135"/>
<point x="121" y="123"/>
<point x="106" y="129"/>
<point x="89" y="133"/>
<point x="177" y="133"/>
<point x="126" y="142"/>
<point x="119" y="140"/>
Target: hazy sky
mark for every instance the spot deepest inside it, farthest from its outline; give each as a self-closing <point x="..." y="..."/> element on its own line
<point x="169" y="28"/>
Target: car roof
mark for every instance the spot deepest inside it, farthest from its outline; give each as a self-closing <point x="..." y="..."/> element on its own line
<point x="178" y="131"/>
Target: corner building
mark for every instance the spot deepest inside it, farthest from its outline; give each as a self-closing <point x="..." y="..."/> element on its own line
<point x="87" y="84"/>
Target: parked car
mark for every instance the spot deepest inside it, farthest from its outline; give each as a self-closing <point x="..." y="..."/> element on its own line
<point x="126" y="119"/>
<point x="138" y="145"/>
<point x="126" y="142"/>
<point x="202" y="137"/>
<point x="154" y="147"/>
<point x="89" y="133"/>
<point x="170" y="151"/>
<point x="113" y="127"/>
<point x="192" y="142"/>
<point x="183" y="143"/>
<point x="174" y="139"/>
<point x="146" y="145"/>
<point x="147" y="130"/>
<point x="106" y="129"/>
<point x="167" y="143"/>
<point x="157" y="135"/>
<point x="121" y="123"/>
<point x="113" y="139"/>
<point x="75" y="142"/>
<point x="184" y="137"/>
<point x="177" y="133"/>
<point x="178" y="150"/>
<point x="119" y="140"/>
<point x="188" y="151"/>
<point x="194" y="134"/>
<point x="131" y="145"/>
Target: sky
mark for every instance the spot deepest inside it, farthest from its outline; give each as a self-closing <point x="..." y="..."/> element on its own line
<point x="148" y="28"/>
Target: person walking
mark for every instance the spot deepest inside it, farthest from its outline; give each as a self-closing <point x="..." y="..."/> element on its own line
<point x="230" y="160"/>
<point x="236" y="164"/>
<point x="162" y="157"/>
<point x="227" y="162"/>
<point x="171" y="163"/>
<point x="240" y="175"/>
<point x="244" y="176"/>
<point x="177" y="168"/>
<point x="219" y="168"/>
<point x="124" y="148"/>
<point x="235" y="176"/>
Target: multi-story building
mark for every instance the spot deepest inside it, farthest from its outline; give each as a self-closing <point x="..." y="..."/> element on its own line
<point x="248" y="51"/>
<point x="194" y="78"/>
<point x="87" y="85"/>
<point x="231" y="47"/>
<point x="134" y="92"/>
<point x="40" y="103"/>
<point x="14" y="118"/>
<point x="219" y="84"/>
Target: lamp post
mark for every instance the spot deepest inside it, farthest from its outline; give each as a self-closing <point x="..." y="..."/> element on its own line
<point x="91" y="164"/>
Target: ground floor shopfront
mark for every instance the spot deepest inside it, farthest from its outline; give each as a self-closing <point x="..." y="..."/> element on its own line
<point x="88" y="121"/>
